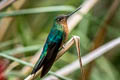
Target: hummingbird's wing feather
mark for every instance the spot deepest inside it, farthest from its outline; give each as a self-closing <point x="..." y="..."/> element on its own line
<point x="50" y="58"/>
<point x="49" y="52"/>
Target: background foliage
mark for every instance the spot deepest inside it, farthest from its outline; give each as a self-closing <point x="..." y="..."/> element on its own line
<point x="27" y="33"/>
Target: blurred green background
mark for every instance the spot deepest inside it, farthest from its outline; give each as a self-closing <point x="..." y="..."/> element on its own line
<point x="27" y="32"/>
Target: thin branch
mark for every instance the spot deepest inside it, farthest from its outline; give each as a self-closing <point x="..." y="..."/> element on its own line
<point x="5" y="3"/>
<point x="86" y="59"/>
<point x="77" y="42"/>
<point x="60" y="53"/>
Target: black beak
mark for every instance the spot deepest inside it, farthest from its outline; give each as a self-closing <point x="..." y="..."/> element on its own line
<point x="73" y="12"/>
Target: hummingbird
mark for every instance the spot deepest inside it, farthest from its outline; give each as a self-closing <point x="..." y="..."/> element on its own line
<point x="55" y="40"/>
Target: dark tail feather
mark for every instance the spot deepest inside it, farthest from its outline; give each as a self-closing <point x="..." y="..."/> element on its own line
<point x="50" y="58"/>
<point x="48" y="65"/>
<point x="38" y="65"/>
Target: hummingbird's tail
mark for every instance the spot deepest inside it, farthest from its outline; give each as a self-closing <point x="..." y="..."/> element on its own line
<point x="50" y="58"/>
<point x="47" y="61"/>
<point x="48" y="64"/>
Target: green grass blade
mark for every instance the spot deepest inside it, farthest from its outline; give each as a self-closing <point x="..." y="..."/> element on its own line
<point x="7" y="43"/>
<point x="37" y="10"/>
<point x="22" y="49"/>
<point x="15" y="59"/>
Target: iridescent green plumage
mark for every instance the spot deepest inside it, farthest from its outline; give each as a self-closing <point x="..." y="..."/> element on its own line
<point x="51" y="47"/>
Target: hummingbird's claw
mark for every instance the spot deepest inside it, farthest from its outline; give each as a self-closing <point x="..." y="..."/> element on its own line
<point x="63" y="46"/>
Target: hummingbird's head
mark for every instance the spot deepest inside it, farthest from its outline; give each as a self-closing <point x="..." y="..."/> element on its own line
<point x="61" y="19"/>
<point x="61" y="22"/>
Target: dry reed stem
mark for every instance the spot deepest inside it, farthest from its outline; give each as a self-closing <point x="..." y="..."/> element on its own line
<point x="4" y="3"/>
<point x="86" y="59"/>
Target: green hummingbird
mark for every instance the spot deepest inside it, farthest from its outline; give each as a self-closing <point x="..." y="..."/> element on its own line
<point x="55" y="40"/>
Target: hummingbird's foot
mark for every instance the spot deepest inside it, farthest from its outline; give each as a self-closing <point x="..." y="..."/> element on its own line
<point x="63" y="46"/>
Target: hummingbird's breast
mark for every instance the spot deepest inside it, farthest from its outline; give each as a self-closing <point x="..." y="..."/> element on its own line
<point x="66" y="31"/>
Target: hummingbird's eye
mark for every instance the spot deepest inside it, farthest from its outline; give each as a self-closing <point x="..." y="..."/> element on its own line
<point x="59" y="19"/>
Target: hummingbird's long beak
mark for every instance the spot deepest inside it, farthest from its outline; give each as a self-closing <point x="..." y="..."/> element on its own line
<point x="73" y="12"/>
